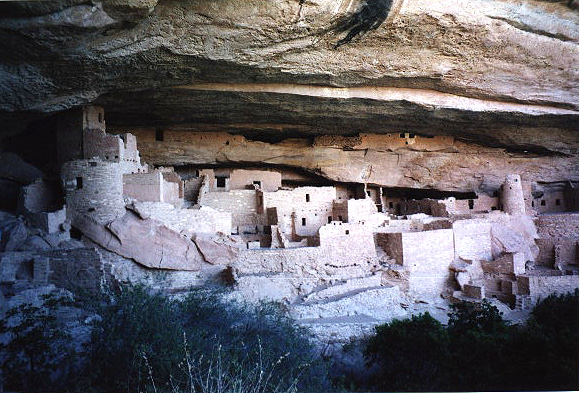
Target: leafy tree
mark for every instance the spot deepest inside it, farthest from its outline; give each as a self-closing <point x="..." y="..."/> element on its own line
<point x="408" y="355"/>
<point x="36" y="350"/>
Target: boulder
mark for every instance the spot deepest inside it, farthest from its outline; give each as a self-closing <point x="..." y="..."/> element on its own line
<point x="217" y="250"/>
<point x="12" y="232"/>
<point x="148" y="242"/>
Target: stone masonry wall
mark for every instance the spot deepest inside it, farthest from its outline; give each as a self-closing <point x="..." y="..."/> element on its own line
<point x="242" y="204"/>
<point x="94" y="187"/>
<point x="428" y="256"/>
<point x="240" y="179"/>
<point x="187" y="221"/>
<point x="302" y="210"/>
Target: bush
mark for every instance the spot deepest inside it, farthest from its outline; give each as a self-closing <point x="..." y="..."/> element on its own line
<point x="36" y="350"/>
<point x="409" y="355"/>
<point x="201" y="343"/>
<point x="544" y="353"/>
<point x="479" y="351"/>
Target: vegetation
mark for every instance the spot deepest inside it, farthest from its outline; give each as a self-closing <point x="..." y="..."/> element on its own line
<point x="34" y="347"/>
<point x="201" y="343"/>
<point x="478" y="350"/>
<point x="151" y="343"/>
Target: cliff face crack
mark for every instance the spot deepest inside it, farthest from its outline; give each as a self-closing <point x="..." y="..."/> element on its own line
<point x="423" y="97"/>
<point x="529" y="29"/>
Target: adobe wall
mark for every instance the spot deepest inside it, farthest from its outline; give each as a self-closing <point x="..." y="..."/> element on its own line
<point x="481" y="204"/>
<point x="49" y="222"/>
<point x="39" y="197"/>
<point x="97" y="143"/>
<point x="242" y="204"/>
<point x="552" y="202"/>
<point x="187" y="221"/>
<point x="143" y="186"/>
<point x="82" y="135"/>
<point x="428" y="256"/>
<point x="472" y="239"/>
<point x="559" y="238"/>
<point x="539" y="287"/>
<point x="241" y="179"/>
<point x="94" y="187"/>
<point x="391" y="243"/>
<point x="69" y="135"/>
<point x="303" y="210"/>
<point x="343" y="240"/>
<point x="404" y="140"/>
<point x="360" y="210"/>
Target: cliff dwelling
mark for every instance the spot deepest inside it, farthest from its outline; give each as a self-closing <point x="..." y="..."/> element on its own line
<point x="355" y="167"/>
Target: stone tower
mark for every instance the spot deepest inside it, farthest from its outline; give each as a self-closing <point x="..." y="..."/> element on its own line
<point x="512" y="197"/>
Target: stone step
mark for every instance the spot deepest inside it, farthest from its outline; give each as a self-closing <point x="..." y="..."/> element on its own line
<point x="344" y="288"/>
<point x="380" y="303"/>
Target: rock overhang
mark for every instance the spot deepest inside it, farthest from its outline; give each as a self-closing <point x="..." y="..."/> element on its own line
<point x="494" y="72"/>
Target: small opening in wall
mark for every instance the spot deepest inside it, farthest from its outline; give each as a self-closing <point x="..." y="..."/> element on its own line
<point x="347" y="232"/>
<point x="402" y="136"/>
<point x="411" y="136"/>
<point x="100" y="117"/>
<point x="329" y="219"/>
<point x="471" y="204"/>
<point x="307" y="197"/>
<point x="339" y="218"/>
<point x="493" y="208"/>
<point x="391" y="205"/>
<point x="532" y="203"/>
<point x="91" y="209"/>
<point x="557" y="202"/>
<point x="543" y="202"/>
<point x="303" y="221"/>
<point x="220" y="181"/>
<point x="369" y="193"/>
<point x="495" y="194"/>
<point x="92" y="163"/>
<point x="257" y="183"/>
<point x="78" y="183"/>
<point x="159" y="135"/>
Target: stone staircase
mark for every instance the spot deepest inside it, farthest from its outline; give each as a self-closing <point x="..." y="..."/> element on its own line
<point x="349" y="308"/>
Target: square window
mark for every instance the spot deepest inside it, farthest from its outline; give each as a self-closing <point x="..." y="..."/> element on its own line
<point x="159" y="135"/>
<point x="220" y="181"/>
<point x="558" y="202"/>
<point x="543" y="203"/>
<point x="391" y="205"/>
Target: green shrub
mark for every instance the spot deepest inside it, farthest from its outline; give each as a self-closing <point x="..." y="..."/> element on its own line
<point x="408" y="355"/>
<point x="544" y="353"/>
<point x="147" y="342"/>
<point x="36" y="351"/>
<point x="479" y="351"/>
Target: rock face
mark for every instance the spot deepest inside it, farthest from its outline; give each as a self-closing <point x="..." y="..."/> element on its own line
<point x="499" y="72"/>
<point x="147" y="242"/>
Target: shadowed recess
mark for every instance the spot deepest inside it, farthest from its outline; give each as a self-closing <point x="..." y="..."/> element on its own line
<point x="369" y="16"/>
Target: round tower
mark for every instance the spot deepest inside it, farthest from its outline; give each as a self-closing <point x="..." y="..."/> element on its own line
<point x="512" y="197"/>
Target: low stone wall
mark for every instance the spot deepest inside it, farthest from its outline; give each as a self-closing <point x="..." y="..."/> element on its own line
<point x="187" y="221"/>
